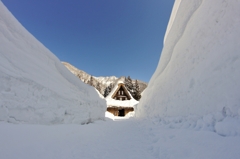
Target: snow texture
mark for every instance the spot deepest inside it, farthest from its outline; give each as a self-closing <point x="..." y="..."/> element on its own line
<point x="128" y="139"/>
<point x="199" y="69"/>
<point x="107" y="80"/>
<point x="35" y="87"/>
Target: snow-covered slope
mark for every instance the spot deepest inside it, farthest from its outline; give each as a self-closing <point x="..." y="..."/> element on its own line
<point x="107" y="80"/>
<point x="199" y="69"/>
<point x="85" y="77"/>
<point x="103" y="81"/>
<point x="34" y="85"/>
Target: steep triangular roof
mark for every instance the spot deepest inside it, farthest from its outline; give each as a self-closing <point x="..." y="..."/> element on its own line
<point x="121" y="86"/>
<point x="124" y="103"/>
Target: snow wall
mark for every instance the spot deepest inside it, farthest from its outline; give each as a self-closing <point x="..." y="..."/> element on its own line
<point x="199" y="68"/>
<point x="35" y="87"/>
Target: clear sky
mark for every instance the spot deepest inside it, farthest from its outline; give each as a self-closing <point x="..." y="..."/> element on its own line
<point x="100" y="37"/>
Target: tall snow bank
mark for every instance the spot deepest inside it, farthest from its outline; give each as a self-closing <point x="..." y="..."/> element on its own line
<point x="199" y="69"/>
<point x="34" y="86"/>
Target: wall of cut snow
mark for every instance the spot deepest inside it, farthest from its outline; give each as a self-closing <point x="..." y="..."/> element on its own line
<point x="35" y="87"/>
<point x="199" y="69"/>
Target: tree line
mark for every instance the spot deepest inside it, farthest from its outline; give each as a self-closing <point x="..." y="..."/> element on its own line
<point x="132" y="87"/>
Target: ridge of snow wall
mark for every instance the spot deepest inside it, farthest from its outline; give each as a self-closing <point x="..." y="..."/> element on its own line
<point x="199" y="68"/>
<point x="35" y="87"/>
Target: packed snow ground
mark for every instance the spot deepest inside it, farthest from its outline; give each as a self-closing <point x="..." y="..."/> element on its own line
<point x="129" y="139"/>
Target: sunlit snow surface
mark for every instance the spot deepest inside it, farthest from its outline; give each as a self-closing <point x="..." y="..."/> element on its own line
<point x="199" y="68"/>
<point x="128" y="139"/>
<point x="35" y="87"/>
<point x="191" y="106"/>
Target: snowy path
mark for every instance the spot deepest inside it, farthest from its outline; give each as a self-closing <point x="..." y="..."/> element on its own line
<point x="126" y="139"/>
<point x="120" y="139"/>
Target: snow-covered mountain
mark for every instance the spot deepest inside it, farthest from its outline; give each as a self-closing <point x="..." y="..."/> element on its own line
<point x="85" y="77"/>
<point x="106" y="80"/>
<point x="34" y="85"/>
<point x="199" y="69"/>
<point x="103" y="81"/>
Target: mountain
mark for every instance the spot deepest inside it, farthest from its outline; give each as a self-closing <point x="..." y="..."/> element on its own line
<point x="142" y="85"/>
<point x="199" y="68"/>
<point x="106" y="80"/>
<point x="85" y="77"/>
<point x="35" y="87"/>
<point x="103" y="81"/>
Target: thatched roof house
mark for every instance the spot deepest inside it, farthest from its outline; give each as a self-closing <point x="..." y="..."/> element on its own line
<point x="120" y="101"/>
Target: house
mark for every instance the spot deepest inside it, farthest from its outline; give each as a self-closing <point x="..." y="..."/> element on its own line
<point x="119" y="101"/>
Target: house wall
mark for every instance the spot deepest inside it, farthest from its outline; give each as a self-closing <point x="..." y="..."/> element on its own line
<point x="115" y="110"/>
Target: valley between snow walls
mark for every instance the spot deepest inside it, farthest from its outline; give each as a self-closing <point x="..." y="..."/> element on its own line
<point x="199" y="69"/>
<point x="35" y="87"/>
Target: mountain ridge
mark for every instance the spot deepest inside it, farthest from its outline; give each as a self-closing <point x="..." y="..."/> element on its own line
<point x="103" y="81"/>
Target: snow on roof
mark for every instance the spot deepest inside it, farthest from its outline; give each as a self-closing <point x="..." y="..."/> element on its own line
<point x="126" y="103"/>
<point x="121" y="85"/>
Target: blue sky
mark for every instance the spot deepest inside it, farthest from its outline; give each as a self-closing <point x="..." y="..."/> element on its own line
<point x="101" y="37"/>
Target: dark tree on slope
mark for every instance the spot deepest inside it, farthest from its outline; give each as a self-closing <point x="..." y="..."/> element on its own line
<point x="134" y="89"/>
<point x="111" y="87"/>
<point x="107" y="90"/>
<point x="128" y="84"/>
<point x="98" y="87"/>
<point x="137" y="93"/>
<point x="79" y="76"/>
<point x="90" y="82"/>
